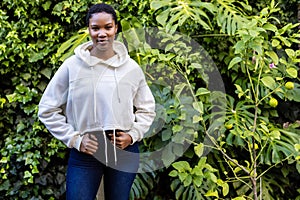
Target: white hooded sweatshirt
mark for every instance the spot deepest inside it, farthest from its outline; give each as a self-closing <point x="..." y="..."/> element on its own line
<point x="87" y="93"/>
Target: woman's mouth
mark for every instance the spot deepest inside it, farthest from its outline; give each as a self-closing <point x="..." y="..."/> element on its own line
<point x="102" y="41"/>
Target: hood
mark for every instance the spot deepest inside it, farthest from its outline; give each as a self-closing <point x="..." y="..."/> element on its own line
<point x="83" y="52"/>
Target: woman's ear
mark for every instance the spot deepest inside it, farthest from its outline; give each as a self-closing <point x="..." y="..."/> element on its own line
<point x="116" y="29"/>
<point x="119" y="27"/>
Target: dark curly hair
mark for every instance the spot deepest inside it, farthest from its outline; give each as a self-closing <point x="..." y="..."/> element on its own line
<point x="101" y="7"/>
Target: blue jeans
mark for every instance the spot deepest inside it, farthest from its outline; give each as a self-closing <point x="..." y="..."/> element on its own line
<point x="84" y="173"/>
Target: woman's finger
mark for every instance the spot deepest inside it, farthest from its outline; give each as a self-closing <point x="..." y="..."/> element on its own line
<point x="93" y="137"/>
<point x="89" y="144"/>
<point x="122" y="140"/>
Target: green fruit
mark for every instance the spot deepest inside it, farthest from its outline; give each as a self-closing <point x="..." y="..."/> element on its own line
<point x="255" y="146"/>
<point x="289" y="85"/>
<point x="233" y="162"/>
<point x="228" y="126"/>
<point x="273" y="102"/>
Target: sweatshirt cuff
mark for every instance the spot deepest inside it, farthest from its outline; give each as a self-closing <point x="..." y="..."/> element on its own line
<point x="77" y="142"/>
<point x="134" y="137"/>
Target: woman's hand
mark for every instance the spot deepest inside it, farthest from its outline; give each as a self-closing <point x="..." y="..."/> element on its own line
<point x="89" y="144"/>
<point x="123" y="139"/>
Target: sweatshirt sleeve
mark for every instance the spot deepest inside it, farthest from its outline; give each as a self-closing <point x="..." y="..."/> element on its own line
<point x="145" y="112"/>
<point x="51" y="109"/>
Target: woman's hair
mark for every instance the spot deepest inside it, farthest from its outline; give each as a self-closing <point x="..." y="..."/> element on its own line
<point x="101" y="7"/>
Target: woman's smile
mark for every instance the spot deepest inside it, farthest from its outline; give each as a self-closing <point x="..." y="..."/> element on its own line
<point x="102" y="42"/>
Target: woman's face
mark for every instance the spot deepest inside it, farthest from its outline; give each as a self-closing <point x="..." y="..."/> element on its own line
<point x="102" y="29"/>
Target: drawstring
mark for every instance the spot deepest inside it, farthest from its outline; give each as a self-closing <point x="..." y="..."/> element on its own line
<point x="105" y="150"/>
<point x="105" y="146"/>
<point x="115" y="150"/>
<point x="117" y="85"/>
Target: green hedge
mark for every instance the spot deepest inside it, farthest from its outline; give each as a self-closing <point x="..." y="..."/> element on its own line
<point x="32" y="162"/>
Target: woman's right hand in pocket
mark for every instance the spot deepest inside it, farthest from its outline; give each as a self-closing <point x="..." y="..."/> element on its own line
<point x="89" y="144"/>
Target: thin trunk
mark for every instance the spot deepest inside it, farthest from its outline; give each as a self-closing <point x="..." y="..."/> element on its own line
<point x="253" y="178"/>
<point x="298" y="15"/>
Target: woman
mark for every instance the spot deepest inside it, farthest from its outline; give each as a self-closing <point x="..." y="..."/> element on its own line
<point x="99" y="104"/>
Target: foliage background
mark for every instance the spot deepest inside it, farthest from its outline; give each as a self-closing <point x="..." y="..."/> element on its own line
<point x="33" y="163"/>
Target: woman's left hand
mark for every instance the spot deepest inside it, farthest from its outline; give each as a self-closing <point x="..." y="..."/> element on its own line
<point x="122" y="139"/>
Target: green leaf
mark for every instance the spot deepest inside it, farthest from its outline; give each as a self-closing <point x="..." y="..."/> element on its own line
<point x="290" y="52"/>
<point x="171" y="28"/>
<point x="179" y="192"/>
<point x="168" y="156"/>
<point x="176" y="17"/>
<point x="173" y="173"/>
<point x="179" y="88"/>
<point x="5" y="185"/>
<point x="228" y="27"/>
<point x="234" y="61"/>
<point x="202" y="91"/>
<point x="155" y="5"/>
<point x="264" y="127"/>
<point x="285" y="41"/>
<point x="35" y="170"/>
<point x="212" y="193"/>
<point x="162" y="17"/>
<point x="182" y="166"/>
<point x="2" y="102"/>
<point x="239" y="47"/>
<point x="47" y="5"/>
<point x="20" y="127"/>
<point x="239" y="90"/>
<point x="269" y="82"/>
<point x="198" y="106"/>
<point x="225" y="189"/>
<point x="199" y="149"/>
<point x="169" y="46"/>
<point x="275" y="43"/>
<point x="292" y="72"/>
<point x="178" y="149"/>
<point x="166" y="134"/>
<point x="125" y="25"/>
<point x="177" y="128"/>
<point x="198" y="181"/>
<point x="182" y="176"/>
<point x="187" y="181"/>
<point x="47" y="72"/>
<point x="175" y="184"/>
<point x="275" y="156"/>
<point x="3" y="159"/>
<point x="273" y="56"/>
<point x="298" y="167"/>
<point x="297" y="147"/>
<point x="270" y="27"/>
<point x="239" y="198"/>
<point x="27" y="174"/>
<point x="213" y="177"/>
<point x="67" y="48"/>
<point x="275" y="134"/>
<point x="197" y="118"/>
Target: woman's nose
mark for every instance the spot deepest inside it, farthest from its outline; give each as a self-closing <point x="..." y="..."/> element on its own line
<point x="101" y="33"/>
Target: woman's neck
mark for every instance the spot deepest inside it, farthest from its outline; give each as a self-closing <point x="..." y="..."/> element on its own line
<point x="104" y="55"/>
